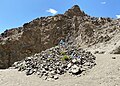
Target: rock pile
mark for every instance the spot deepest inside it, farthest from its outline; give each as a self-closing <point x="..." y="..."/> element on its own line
<point x="53" y="62"/>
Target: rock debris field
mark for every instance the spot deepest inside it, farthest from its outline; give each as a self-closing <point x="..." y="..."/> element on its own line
<point x="56" y="61"/>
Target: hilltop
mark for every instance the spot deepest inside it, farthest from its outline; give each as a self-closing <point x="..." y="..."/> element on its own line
<point x="74" y="27"/>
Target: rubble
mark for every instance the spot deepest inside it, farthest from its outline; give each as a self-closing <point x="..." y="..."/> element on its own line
<point x="53" y="62"/>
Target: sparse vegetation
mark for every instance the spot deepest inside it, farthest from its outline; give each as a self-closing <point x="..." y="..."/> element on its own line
<point x="65" y="58"/>
<point x="62" y="53"/>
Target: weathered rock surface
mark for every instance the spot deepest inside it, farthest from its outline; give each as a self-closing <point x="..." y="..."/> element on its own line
<point x="74" y="26"/>
<point x="35" y="36"/>
<point x="53" y="62"/>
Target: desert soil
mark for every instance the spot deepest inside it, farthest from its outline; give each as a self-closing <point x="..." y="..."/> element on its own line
<point x="105" y="73"/>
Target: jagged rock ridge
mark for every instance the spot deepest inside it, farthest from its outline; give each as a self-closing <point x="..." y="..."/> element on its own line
<point x="74" y="26"/>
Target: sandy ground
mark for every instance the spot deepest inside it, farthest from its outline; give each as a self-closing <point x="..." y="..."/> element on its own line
<point x="105" y="73"/>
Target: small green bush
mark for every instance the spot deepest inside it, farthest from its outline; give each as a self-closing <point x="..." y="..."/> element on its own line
<point x="62" y="53"/>
<point x="65" y="58"/>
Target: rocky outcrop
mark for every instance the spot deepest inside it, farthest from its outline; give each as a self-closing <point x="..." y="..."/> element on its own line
<point x="74" y="11"/>
<point x="74" y="27"/>
<point x="35" y="36"/>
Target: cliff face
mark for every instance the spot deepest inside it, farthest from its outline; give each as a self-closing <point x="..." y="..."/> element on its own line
<point x="35" y="36"/>
<point x="74" y="26"/>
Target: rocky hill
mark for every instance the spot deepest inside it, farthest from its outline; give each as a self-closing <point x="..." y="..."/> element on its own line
<point x="74" y="27"/>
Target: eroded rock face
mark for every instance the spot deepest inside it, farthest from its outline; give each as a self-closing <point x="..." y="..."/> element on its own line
<point x="74" y="26"/>
<point x="35" y="36"/>
<point x="74" y="11"/>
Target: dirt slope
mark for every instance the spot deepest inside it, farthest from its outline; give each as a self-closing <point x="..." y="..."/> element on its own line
<point x="105" y="73"/>
<point x="111" y="46"/>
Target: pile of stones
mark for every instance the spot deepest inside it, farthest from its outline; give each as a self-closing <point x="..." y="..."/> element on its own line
<point x="53" y="62"/>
